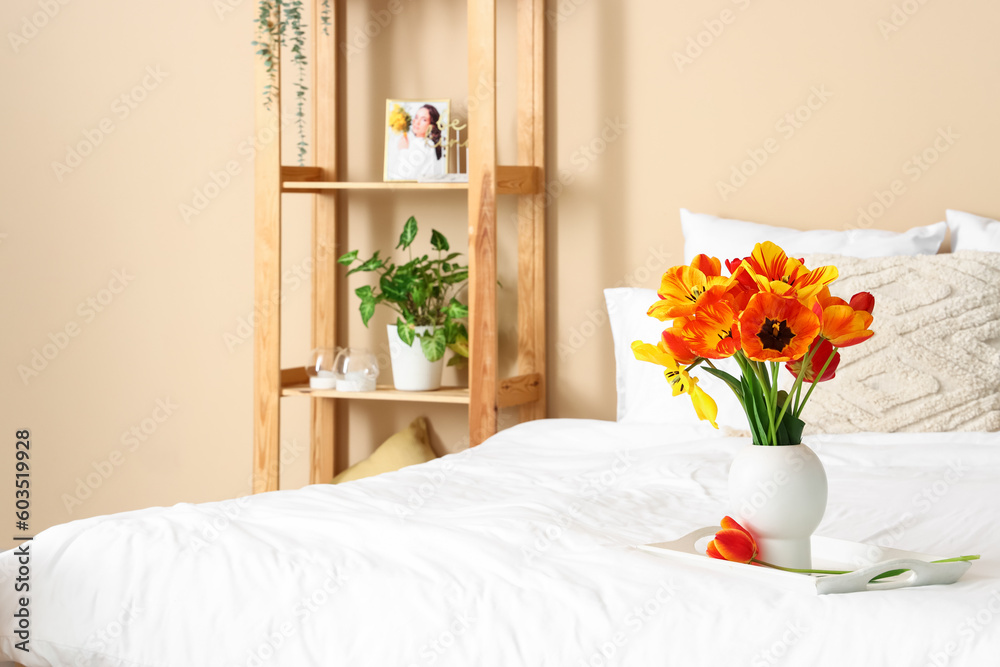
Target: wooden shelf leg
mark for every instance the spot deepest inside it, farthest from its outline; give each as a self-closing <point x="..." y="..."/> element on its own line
<point x="325" y="274"/>
<point x="267" y="290"/>
<point x="483" y="340"/>
<point x="531" y="208"/>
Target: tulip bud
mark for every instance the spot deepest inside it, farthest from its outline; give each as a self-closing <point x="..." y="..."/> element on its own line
<point x="863" y="301"/>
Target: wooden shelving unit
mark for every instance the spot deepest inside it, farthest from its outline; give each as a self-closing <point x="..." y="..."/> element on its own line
<point x="487" y="393"/>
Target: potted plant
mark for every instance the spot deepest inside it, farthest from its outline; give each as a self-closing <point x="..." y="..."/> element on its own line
<point x="423" y="293"/>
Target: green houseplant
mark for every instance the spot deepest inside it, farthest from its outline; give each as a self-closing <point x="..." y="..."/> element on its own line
<point x="423" y="293"/>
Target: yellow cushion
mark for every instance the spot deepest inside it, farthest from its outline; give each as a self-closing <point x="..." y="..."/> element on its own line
<point x="406" y="448"/>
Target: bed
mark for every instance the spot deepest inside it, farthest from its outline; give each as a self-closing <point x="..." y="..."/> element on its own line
<point x="526" y="549"/>
<point x="520" y="552"/>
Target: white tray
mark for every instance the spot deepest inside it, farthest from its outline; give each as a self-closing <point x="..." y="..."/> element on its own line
<point x="828" y="554"/>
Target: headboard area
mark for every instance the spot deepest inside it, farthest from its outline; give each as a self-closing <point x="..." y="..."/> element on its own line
<point x="856" y="115"/>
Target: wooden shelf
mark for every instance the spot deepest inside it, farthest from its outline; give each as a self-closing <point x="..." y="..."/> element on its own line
<point x="511" y="180"/>
<point x="319" y="186"/>
<point x="488" y="393"/>
<point x="459" y="395"/>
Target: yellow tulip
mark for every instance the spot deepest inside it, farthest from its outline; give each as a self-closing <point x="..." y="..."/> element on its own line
<point x="678" y="378"/>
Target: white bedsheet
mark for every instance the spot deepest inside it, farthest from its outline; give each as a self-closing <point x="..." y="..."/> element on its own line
<point x="519" y="553"/>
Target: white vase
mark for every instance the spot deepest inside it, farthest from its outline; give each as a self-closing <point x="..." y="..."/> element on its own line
<point x="410" y="369"/>
<point x="778" y="493"/>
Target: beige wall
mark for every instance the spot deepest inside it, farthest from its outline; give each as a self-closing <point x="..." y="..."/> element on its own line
<point x="635" y="133"/>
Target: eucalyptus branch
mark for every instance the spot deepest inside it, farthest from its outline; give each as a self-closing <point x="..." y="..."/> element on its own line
<point x="275" y="19"/>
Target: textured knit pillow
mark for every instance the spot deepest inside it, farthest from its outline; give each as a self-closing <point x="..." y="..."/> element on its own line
<point x="406" y="448"/>
<point x="934" y="361"/>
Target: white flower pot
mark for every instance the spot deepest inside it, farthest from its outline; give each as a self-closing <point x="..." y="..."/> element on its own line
<point x="778" y="493"/>
<point x="410" y="369"/>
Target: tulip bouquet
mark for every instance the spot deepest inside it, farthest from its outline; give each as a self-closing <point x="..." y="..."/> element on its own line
<point x="771" y="310"/>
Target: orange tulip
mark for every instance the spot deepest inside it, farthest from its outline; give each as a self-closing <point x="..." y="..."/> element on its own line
<point x="775" y="328"/>
<point x="733" y="543"/>
<point x="684" y="288"/>
<point x="712" y="333"/>
<point x="673" y="342"/>
<point x="775" y="272"/>
<point x="843" y="326"/>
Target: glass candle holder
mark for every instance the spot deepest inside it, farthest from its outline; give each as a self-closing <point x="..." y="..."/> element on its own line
<point x="355" y="369"/>
<point x="320" y="369"/>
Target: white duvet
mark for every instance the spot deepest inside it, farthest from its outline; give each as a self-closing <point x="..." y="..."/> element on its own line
<point x="519" y="552"/>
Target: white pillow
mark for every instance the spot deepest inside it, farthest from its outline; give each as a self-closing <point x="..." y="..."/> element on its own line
<point x="728" y="239"/>
<point x="644" y="397"/>
<point x="973" y="232"/>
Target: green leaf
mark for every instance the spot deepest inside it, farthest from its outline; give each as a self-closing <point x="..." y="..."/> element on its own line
<point x="348" y="258"/>
<point x="458" y="360"/>
<point x="457" y="310"/>
<point x="371" y="265"/>
<point x="433" y="344"/>
<point x="395" y="288"/>
<point x="755" y="408"/>
<point x="419" y="292"/>
<point x="460" y="346"/>
<point x="409" y="233"/>
<point x="367" y="310"/>
<point x="365" y="292"/>
<point x="405" y="331"/>
<point x="782" y="397"/>
<point x="438" y="241"/>
<point x="793" y="427"/>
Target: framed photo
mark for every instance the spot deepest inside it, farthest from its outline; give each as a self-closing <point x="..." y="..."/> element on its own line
<point x="416" y="145"/>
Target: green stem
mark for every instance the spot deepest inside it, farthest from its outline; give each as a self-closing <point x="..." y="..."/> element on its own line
<point x="957" y="559"/>
<point x="774" y="402"/>
<point x="812" y="385"/>
<point x="748" y="372"/>
<point x="792" y="569"/>
<point x="798" y="383"/>
<point x="884" y="575"/>
<point x="695" y="363"/>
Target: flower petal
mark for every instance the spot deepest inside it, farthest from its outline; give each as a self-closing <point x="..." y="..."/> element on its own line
<point x="654" y="354"/>
<point x="863" y="301"/>
<point x="821" y="350"/>
<point x="774" y="328"/>
<point x="712" y="333"/>
<point x="704" y="405"/>
<point x="730" y="523"/>
<point x="710" y="266"/>
<point x="735" y="545"/>
<point x="812" y="283"/>
<point x="673" y="342"/>
<point x="843" y="326"/>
